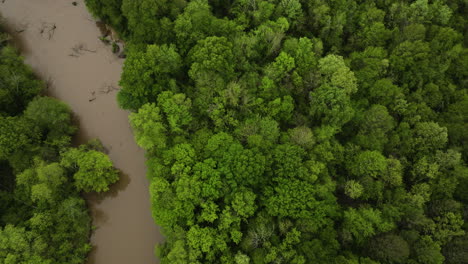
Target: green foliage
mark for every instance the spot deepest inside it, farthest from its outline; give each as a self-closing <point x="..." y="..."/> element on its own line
<point x="43" y="217"/>
<point x="455" y="252"/>
<point x="177" y="110"/>
<point x="389" y="248"/>
<point x="148" y="127"/>
<point x="92" y="170"/>
<point x="331" y="105"/>
<point x="211" y="61"/>
<point x="52" y="118"/>
<point x="109" y="11"/>
<point x="18" y="85"/>
<point x="360" y="224"/>
<point x="15" y="134"/>
<point x="428" y="251"/>
<point x="143" y="16"/>
<point x="353" y="189"/>
<point x="368" y="163"/>
<point x="148" y="73"/>
<point x="375" y="124"/>
<point x="290" y="131"/>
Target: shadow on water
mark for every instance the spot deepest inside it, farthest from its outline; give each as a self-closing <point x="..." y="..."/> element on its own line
<point x="115" y="189"/>
<point x="99" y="216"/>
<point x="14" y="30"/>
<point x="121" y="185"/>
<point x="92" y="255"/>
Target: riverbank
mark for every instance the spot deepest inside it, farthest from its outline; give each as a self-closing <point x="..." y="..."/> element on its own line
<point x="60" y="42"/>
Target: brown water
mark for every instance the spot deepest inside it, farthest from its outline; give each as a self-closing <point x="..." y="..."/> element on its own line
<point x="60" y="42"/>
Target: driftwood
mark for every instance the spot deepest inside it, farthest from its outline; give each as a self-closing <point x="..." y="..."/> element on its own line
<point x="110" y="37"/>
<point x="48" y="29"/>
<point x="22" y="27"/>
<point x="52" y="31"/>
<point x="108" y="88"/>
<point x="79" y="49"/>
<point x="105" y="89"/>
<point x="93" y="97"/>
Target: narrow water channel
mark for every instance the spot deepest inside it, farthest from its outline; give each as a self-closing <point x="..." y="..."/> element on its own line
<point x="60" y="41"/>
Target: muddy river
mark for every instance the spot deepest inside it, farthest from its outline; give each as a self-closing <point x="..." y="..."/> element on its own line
<point x="60" y="41"/>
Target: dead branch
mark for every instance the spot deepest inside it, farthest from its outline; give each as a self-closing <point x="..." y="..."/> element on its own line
<point x="93" y="97"/>
<point x="88" y="50"/>
<point x="52" y="31"/>
<point x="79" y="49"/>
<point x="108" y="88"/>
<point x="22" y="27"/>
<point x="48" y="29"/>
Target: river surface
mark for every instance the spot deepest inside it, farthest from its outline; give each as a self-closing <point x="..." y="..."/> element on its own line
<point x="60" y="42"/>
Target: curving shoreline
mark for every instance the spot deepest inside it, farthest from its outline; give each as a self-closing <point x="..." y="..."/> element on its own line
<point x="60" y="42"/>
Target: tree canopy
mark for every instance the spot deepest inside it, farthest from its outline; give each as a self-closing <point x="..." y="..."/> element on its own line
<point x="43" y="216"/>
<point x="293" y="131"/>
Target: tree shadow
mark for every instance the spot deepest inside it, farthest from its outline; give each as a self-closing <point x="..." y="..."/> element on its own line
<point x="114" y="190"/>
<point x="91" y="259"/>
<point x="99" y="216"/>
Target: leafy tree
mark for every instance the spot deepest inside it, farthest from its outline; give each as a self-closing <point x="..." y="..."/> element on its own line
<point x="337" y="74"/>
<point x="197" y="23"/>
<point x="109" y="11"/>
<point x="394" y="173"/>
<point x="410" y="62"/>
<point x="353" y="189"/>
<point x="15" y="134"/>
<point x="455" y="252"/>
<point x="375" y="123"/>
<point x="148" y="73"/>
<point x="244" y="203"/>
<point x="360" y="224"/>
<point x="252" y="113"/>
<point x="53" y="118"/>
<point x="93" y="170"/>
<point x="43" y="218"/>
<point x="302" y="136"/>
<point x="211" y="58"/>
<point x="384" y="92"/>
<point x="18" y="85"/>
<point x="369" y="66"/>
<point x="389" y="248"/>
<point x="331" y="105"/>
<point x="259" y="132"/>
<point x="429" y="136"/>
<point x="368" y="163"/>
<point x="141" y="19"/>
<point x="177" y="110"/>
<point x="428" y="251"/>
<point x="148" y="127"/>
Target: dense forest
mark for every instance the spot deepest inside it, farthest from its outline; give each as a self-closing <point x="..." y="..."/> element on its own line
<point x="43" y="216"/>
<point x="300" y="131"/>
